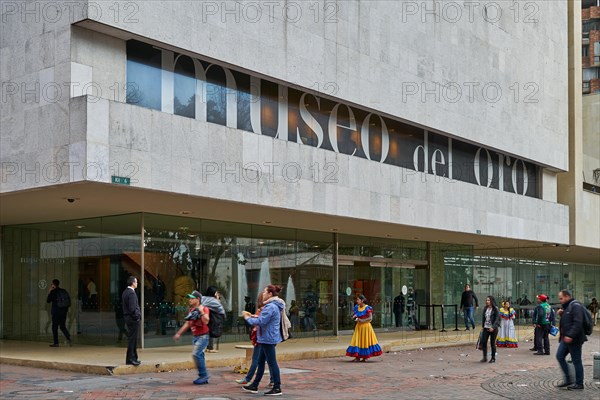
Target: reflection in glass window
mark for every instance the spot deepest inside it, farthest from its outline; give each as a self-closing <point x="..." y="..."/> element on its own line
<point x="185" y="87"/>
<point x="216" y="96"/>
<point x="143" y="75"/>
<point x="244" y="100"/>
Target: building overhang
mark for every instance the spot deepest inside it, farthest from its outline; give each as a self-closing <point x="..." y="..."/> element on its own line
<point x="93" y="199"/>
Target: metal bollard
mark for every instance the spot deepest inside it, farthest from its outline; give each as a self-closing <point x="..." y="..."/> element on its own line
<point x="597" y="366"/>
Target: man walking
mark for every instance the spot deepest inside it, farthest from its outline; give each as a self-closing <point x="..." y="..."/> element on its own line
<point x="467" y="300"/>
<point x="211" y="300"/>
<point x="132" y="315"/>
<point x="61" y="301"/>
<point x="572" y="337"/>
<point x="197" y="319"/>
<point x="544" y="317"/>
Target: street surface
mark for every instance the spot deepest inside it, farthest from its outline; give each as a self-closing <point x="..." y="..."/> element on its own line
<point x="433" y="373"/>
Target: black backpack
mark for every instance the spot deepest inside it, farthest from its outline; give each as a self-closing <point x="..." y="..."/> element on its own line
<point x="588" y="325"/>
<point x="215" y="324"/>
<point x="63" y="300"/>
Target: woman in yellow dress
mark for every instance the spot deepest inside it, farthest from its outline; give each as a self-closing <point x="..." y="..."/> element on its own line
<point x="364" y="342"/>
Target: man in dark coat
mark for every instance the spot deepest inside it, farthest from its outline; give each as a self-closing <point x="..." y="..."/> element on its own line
<point x="572" y="337"/>
<point x="468" y="304"/>
<point x="132" y="315"/>
<point x="399" y="304"/>
<point x="59" y="312"/>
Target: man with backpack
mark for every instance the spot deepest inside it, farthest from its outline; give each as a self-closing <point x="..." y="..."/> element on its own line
<point x="61" y="301"/>
<point x="572" y="336"/>
<point x="217" y="317"/>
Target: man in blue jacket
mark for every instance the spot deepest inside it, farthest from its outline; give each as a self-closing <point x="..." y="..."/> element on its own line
<point x="572" y="338"/>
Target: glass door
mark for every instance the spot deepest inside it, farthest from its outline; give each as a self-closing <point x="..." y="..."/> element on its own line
<point x="381" y="283"/>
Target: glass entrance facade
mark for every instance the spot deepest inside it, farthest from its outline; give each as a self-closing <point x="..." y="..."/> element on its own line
<point x="171" y="256"/>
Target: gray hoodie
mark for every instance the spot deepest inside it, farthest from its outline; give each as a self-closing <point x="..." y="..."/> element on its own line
<point x="213" y="304"/>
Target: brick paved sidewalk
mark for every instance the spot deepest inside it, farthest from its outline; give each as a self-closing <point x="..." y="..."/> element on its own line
<point x="431" y="373"/>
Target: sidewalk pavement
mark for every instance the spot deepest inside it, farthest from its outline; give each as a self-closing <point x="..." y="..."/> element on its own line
<point x="453" y="371"/>
<point x="102" y="360"/>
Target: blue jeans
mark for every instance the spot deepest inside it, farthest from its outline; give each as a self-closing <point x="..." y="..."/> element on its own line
<point x="200" y="342"/>
<point x="468" y="312"/>
<point x="252" y="369"/>
<point x="575" y="351"/>
<point x="267" y="353"/>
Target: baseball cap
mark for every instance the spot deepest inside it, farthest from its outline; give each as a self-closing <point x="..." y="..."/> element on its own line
<point x="542" y="297"/>
<point x="194" y="295"/>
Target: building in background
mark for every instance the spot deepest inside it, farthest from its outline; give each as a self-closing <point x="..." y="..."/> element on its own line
<point x="332" y="147"/>
<point x="590" y="15"/>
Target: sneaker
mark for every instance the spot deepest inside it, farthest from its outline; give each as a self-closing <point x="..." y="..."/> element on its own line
<point x="575" y="387"/>
<point x="212" y="351"/>
<point x="250" y="388"/>
<point x="241" y="381"/>
<point x="564" y="385"/>
<point x="273" y="392"/>
<point x="270" y="385"/>
<point x="201" y="381"/>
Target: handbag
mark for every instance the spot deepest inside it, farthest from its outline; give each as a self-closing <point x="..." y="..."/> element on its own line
<point x="479" y="345"/>
<point x="553" y="330"/>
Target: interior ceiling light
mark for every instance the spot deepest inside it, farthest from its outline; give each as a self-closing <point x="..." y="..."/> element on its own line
<point x="79" y="226"/>
<point x="185" y="212"/>
<point x="267" y="222"/>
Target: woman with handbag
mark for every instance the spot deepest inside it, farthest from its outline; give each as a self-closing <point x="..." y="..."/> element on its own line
<point x="364" y="342"/>
<point x="491" y="322"/>
<point x="268" y="335"/>
<point x="256" y="352"/>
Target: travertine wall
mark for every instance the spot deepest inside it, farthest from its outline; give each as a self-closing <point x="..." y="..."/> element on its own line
<point x="408" y="59"/>
<point x="375" y="53"/>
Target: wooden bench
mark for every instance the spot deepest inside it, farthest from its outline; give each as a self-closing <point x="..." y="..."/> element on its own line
<point x="243" y="368"/>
